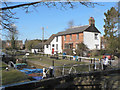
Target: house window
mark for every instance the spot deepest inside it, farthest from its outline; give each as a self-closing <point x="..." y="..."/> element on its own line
<point x="64" y="38"/>
<point x="96" y="36"/>
<point x="70" y="46"/>
<point x="56" y="46"/>
<point x="70" y="37"/>
<point x="46" y="46"/>
<point x="57" y="39"/>
<point x="96" y="46"/>
<point x="52" y="45"/>
<point x="66" y="46"/>
<point x="77" y="37"/>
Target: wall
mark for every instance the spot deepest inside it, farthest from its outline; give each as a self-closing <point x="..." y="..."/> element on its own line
<point x="73" y="40"/>
<point x="90" y="41"/>
<point x="47" y="50"/>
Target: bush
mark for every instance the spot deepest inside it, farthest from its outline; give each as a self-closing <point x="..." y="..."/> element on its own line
<point x="94" y="53"/>
<point x="68" y="51"/>
<point x="102" y="52"/>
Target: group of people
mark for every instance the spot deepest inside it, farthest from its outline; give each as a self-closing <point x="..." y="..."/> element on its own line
<point x="105" y="63"/>
<point x="51" y="72"/>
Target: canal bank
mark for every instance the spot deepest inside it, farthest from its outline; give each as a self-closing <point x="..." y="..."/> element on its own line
<point x="37" y="64"/>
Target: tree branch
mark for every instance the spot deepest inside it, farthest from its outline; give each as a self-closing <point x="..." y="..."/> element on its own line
<point x="20" y="5"/>
<point x="33" y="3"/>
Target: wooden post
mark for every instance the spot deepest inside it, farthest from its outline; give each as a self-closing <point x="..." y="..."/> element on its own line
<point x="91" y="60"/>
<point x="63" y="72"/>
<point x="89" y="67"/>
<point x="80" y="59"/>
<point x="53" y="63"/>
<point x="94" y="60"/>
<point x="110" y="62"/>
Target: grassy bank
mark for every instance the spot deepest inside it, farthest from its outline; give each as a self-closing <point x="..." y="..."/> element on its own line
<point x="13" y="76"/>
<point x="2" y="64"/>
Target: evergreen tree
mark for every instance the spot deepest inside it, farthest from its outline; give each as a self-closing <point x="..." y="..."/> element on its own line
<point x="110" y="29"/>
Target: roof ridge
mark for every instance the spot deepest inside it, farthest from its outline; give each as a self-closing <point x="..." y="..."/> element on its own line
<point x="50" y="38"/>
<point x="78" y="26"/>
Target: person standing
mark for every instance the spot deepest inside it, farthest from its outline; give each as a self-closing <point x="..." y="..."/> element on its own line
<point x="35" y="52"/>
<point x="105" y="63"/>
<point x="44" y="73"/>
<point x="51" y="71"/>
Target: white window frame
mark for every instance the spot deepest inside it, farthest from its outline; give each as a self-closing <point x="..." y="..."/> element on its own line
<point x="96" y="36"/>
<point x="96" y="46"/>
<point x="56" y="46"/>
<point x="77" y="38"/>
<point x="57" y="39"/>
<point x="65" y="38"/>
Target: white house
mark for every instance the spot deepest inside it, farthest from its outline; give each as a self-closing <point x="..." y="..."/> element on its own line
<point x="69" y="39"/>
<point x="53" y="45"/>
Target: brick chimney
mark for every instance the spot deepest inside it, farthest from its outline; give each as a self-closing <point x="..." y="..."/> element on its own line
<point x="91" y="21"/>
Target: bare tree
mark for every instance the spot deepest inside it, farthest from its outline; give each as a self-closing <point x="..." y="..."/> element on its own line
<point x="7" y="19"/>
<point x="50" y="4"/>
<point x="13" y="36"/>
<point x="71" y="24"/>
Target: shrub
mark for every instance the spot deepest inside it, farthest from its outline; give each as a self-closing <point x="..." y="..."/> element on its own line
<point x="68" y="51"/>
<point x="94" y="53"/>
<point x="82" y="49"/>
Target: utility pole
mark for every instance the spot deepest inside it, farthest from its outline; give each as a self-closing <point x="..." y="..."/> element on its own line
<point x="42" y="38"/>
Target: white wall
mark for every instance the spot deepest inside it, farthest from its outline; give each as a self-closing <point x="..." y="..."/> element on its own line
<point x="49" y="49"/>
<point x="32" y="50"/>
<point x="90" y="41"/>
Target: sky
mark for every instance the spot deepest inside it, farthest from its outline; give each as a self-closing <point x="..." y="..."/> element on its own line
<point x="55" y="20"/>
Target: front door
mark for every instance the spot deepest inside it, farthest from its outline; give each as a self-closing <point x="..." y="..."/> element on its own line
<point x="52" y="50"/>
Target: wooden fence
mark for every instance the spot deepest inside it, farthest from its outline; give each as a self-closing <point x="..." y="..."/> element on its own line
<point x="65" y="81"/>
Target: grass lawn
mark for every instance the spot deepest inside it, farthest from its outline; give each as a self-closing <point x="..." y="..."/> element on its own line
<point x="2" y="64"/>
<point x="48" y="61"/>
<point x="13" y="76"/>
<point x="43" y="61"/>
